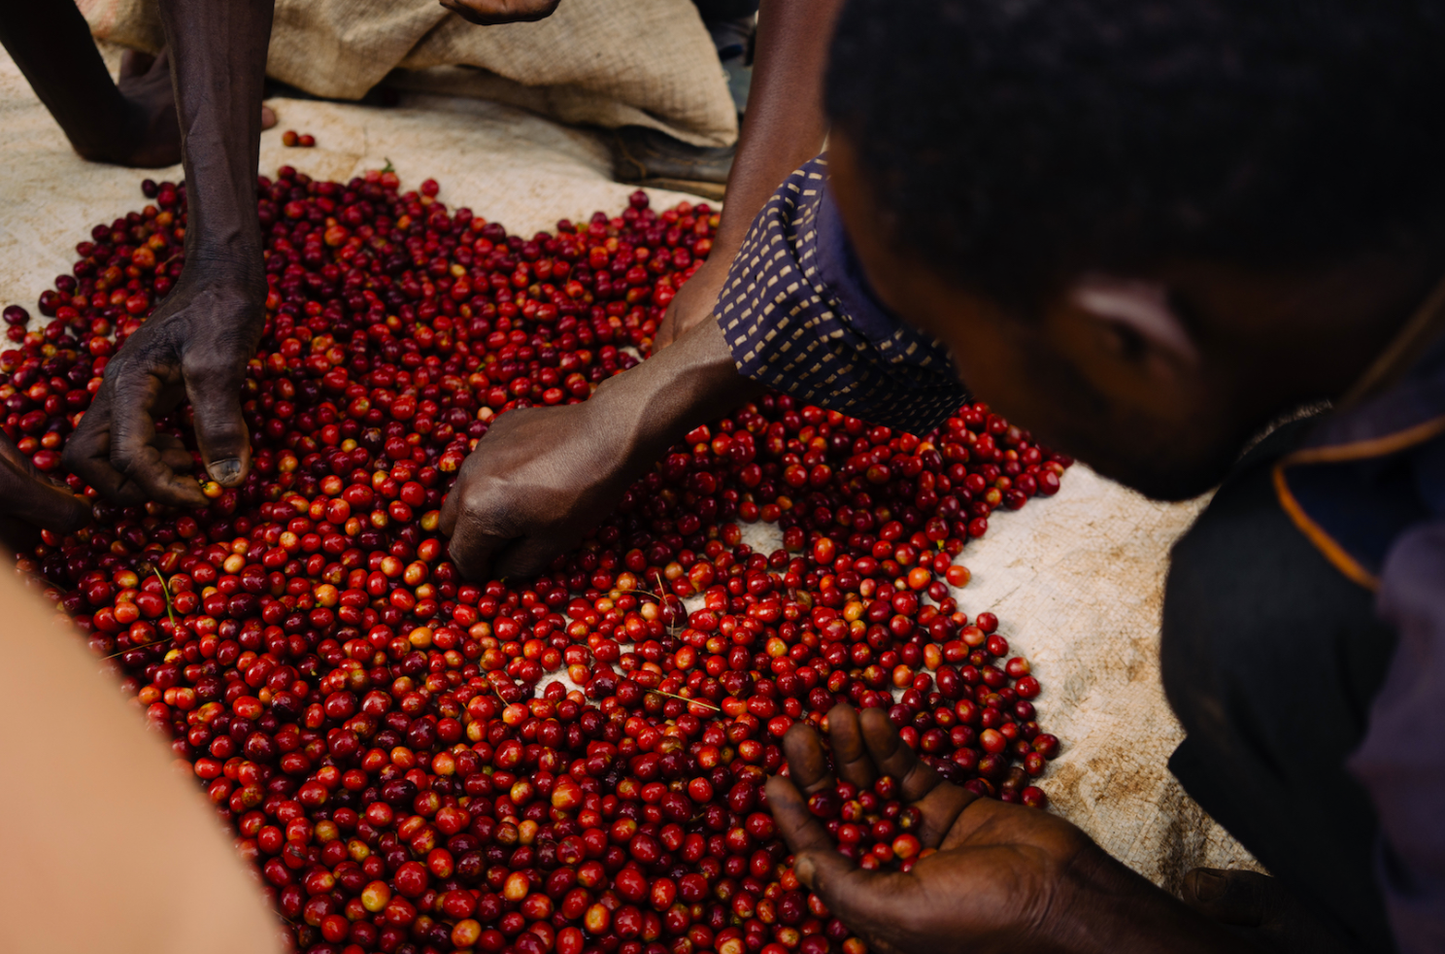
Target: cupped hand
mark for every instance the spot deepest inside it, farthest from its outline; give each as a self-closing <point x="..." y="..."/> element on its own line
<point x="29" y="501"/>
<point x="536" y="483"/>
<point x="196" y="345"/>
<point x="999" y="875"/>
<point x="694" y="302"/>
<point x="492" y="12"/>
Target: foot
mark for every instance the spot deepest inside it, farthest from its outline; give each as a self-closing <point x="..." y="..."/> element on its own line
<point x="150" y="135"/>
<point x="733" y="40"/>
<point x="648" y="157"/>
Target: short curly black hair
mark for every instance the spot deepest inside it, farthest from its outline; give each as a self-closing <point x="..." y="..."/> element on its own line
<point x="1014" y="142"/>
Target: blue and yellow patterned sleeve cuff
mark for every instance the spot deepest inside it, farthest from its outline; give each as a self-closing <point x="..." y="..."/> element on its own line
<point x="799" y="317"/>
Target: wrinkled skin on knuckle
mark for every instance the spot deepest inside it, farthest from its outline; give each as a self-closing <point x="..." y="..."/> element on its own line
<point x="484" y="511"/>
<point x="138" y="359"/>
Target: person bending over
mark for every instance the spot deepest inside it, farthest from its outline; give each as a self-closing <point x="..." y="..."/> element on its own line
<point x="1144" y="231"/>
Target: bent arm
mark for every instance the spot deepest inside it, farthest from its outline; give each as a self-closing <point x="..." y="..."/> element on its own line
<point x="784" y="127"/>
<point x="50" y="42"/>
<point x="542" y="477"/>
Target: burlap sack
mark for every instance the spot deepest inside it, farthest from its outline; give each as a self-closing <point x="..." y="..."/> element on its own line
<point x="607" y="63"/>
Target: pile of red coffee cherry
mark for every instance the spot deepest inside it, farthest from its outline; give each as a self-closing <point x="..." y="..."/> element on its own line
<point x="575" y="763"/>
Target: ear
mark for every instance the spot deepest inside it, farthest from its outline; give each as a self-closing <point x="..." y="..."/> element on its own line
<point x="1133" y="321"/>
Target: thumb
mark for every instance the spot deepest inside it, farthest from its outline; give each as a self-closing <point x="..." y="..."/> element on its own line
<point x="221" y="434"/>
<point x="666" y="328"/>
<point x="867" y="901"/>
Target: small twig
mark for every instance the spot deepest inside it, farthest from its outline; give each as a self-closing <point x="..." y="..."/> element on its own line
<point x="166" y="590"/>
<point x="151" y="645"/>
<point x="705" y="705"/>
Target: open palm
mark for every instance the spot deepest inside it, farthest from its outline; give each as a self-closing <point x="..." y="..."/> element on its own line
<point x="1002" y="878"/>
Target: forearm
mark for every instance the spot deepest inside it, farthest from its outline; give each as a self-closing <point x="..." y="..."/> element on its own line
<point x="219" y="51"/>
<point x="664" y="397"/>
<point x="785" y="125"/>
<point x="51" y="44"/>
<point x="1108" y="909"/>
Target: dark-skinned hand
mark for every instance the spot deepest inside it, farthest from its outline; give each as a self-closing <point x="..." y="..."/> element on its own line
<point x="694" y="302"/>
<point x="536" y="483"/>
<point x="29" y="501"/>
<point x="493" y="12"/>
<point x="542" y="477"/>
<point x="1003" y="877"/>
<point x="196" y="345"/>
<point x="998" y="871"/>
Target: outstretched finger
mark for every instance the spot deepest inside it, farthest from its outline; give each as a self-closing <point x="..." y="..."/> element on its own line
<point x="800" y="829"/>
<point x="851" y="758"/>
<point x="807" y="759"/>
<point x="893" y="757"/>
<point x="939" y="801"/>
<point x="871" y="903"/>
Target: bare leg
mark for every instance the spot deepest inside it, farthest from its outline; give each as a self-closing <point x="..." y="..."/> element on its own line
<point x="132" y="123"/>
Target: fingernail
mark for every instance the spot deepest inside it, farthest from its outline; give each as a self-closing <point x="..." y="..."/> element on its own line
<point x="225" y="471"/>
<point x="1208" y="885"/>
<point x="803" y="868"/>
